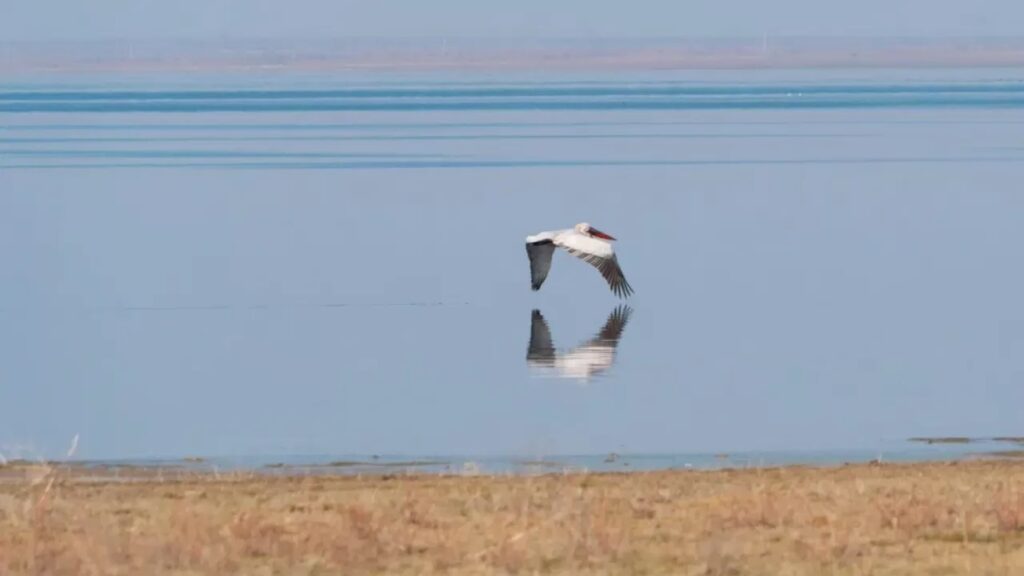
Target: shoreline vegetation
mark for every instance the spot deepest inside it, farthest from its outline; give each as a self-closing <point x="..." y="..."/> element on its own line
<point x="958" y="517"/>
<point x="480" y="54"/>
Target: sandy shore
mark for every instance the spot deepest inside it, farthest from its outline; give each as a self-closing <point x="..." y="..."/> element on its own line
<point x="938" y="518"/>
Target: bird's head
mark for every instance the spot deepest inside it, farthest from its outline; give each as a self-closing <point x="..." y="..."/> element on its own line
<point x="586" y="228"/>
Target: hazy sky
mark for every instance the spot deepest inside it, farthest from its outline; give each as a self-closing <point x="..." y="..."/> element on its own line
<point x="95" y="19"/>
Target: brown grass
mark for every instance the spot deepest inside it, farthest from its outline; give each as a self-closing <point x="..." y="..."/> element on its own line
<point x="935" y="519"/>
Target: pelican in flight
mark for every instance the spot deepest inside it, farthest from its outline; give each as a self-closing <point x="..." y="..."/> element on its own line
<point x="584" y="242"/>
<point x="589" y="359"/>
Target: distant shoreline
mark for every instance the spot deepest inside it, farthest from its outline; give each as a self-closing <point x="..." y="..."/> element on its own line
<point x="476" y="55"/>
<point x="918" y="450"/>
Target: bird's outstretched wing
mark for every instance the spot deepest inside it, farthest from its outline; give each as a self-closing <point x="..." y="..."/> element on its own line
<point x="609" y="268"/>
<point x="541" y="350"/>
<point x="540" y="261"/>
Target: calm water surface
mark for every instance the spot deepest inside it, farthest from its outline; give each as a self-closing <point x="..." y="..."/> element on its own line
<point x="825" y="264"/>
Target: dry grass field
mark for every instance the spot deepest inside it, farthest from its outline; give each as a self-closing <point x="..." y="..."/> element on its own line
<point x="938" y="518"/>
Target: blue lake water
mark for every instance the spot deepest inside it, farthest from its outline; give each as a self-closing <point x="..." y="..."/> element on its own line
<point x="825" y="264"/>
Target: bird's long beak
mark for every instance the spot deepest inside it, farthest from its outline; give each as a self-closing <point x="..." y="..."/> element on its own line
<point x="599" y="234"/>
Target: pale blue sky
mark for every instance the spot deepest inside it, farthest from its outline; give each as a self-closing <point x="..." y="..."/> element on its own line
<point x="107" y="19"/>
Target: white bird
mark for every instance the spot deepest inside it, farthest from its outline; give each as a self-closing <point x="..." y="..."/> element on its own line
<point x="584" y="242"/>
<point x="589" y="359"/>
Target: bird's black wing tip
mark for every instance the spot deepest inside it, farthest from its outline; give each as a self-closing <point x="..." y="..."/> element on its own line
<point x="622" y="289"/>
<point x="626" y="289"/>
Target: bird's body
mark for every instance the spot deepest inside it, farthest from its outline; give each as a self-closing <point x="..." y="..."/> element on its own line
<point x="584" y="242"/>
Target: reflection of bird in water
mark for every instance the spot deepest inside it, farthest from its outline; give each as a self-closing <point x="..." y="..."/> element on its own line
<point x="589" y="359"/>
